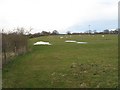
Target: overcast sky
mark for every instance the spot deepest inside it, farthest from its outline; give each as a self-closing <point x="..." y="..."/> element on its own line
<point x="61" y="15"/>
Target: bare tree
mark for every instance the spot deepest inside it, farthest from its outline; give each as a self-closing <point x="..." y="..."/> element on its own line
<point x="55" y="32"/>
<point x="68" y="32"/>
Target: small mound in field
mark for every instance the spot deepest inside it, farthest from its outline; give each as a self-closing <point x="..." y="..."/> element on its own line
<point x="70" y="41"/>
<point x="42" y="43"/>
<point x="81" y="42"/>
<point x="73" y="65"/>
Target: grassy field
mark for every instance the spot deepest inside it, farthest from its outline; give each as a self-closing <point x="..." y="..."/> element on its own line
<point x="66" y="65"/>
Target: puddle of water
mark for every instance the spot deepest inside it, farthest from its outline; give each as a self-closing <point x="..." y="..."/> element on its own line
<point x="42" y="43"/>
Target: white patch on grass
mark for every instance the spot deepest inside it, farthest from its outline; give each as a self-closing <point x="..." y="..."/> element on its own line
<point x="103" y="35"/>
<point x="70" y="41"/>
<point x="61" y="37"/>
<point x="42" y="43"/>
<point x="81" y="42"/>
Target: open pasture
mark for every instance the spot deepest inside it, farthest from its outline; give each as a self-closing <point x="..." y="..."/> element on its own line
<point x="66" y="65"/>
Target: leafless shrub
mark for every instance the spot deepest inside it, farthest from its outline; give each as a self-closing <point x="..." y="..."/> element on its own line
<point x="13" y="44"/>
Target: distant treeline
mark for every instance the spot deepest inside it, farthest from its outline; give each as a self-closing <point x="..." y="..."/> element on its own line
<point x="13" y="44"/>
<point x="89" y="32"/>
<point x="43" y="33"/>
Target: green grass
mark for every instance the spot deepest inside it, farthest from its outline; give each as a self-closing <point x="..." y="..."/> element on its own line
<point x="66" y="65"/>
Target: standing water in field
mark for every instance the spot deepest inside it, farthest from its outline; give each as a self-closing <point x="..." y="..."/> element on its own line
<point x="42" y="43"/>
